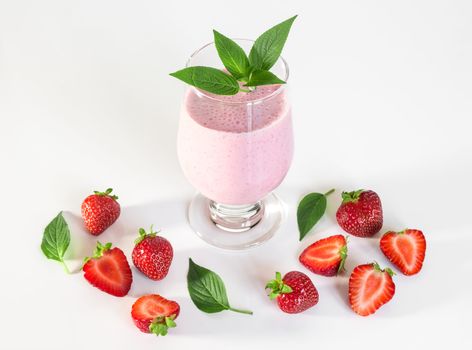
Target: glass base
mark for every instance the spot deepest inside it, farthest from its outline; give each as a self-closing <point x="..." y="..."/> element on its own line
<point x="235" y="227"/>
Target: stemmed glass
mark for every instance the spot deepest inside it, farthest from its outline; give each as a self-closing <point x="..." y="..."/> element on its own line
<point x="235" y="150"/>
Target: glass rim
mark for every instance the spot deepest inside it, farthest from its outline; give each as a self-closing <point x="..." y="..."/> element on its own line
<point x="202" y="93"/>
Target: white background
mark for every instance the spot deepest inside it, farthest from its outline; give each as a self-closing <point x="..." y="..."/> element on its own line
<point x="382" y="99"/>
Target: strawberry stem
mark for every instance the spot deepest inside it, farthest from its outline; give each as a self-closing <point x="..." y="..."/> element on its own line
<point x="143" y="234"/>
<point x="352" y="196"/>
<point x="106" y="193"/>
<point x="161" y="325"/>
<point x="377" y="268"/>
<point x="277" y="286"/>
<point x="98" y="251"/>
<point x="343" y="254"/>
<point x="246" y="312"/>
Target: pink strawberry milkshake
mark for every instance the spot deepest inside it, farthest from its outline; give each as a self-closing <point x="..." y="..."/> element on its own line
<point x="236" y="149"/>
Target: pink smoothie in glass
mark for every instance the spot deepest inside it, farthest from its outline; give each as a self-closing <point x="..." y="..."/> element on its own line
<point x="236" y="149"/>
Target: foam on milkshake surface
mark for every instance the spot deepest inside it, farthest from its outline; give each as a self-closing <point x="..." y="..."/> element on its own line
<point x="238" y="113"/>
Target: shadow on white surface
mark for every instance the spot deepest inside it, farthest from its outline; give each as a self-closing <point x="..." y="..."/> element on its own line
<point x="163" y="215"/>
<point x="82" y="243"/>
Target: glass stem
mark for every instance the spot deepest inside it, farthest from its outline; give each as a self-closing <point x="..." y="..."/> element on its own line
<point x="236" y="218"/>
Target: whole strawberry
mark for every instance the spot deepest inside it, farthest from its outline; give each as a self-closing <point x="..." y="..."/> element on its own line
<point x="108" y="270"/>
<point x="154" y="314"/>
<point x="295" y="293"/>
<point x="99" y="211"/>
<point x="360" y="213"/>
<point x="152" y="254"/>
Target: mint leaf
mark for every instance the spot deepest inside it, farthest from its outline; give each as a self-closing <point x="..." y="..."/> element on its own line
<point x="263" y="77"/>
<point x="207" y="290"/>
<point x="252" y="70"/>
<point x="209" y="79"/>
<point x="310" y="210"/>
<point x="268" y="47"/>
<point x="56" y="239"/>
<point x="232" y="55"/>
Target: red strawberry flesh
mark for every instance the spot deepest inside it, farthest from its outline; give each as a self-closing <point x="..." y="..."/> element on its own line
<point x="110" y="272"/>
<point x="153" y="308"/>
<point x="405" y="249"/>
<point x="326" y="256"/>
<point x="370" y="288"/>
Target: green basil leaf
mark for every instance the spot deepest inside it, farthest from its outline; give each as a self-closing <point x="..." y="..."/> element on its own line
<point x="309" y="212"/>
<point x="209" y="79"/>
<point x="263" y="77"/>
<point x="207" y="290"/>
<point x="56" y="239"/>
<point x="268" y="47"/>
<point x="232" y="55"/>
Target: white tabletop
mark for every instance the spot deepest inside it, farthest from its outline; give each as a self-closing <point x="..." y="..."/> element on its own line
<point x="381" y="95"/>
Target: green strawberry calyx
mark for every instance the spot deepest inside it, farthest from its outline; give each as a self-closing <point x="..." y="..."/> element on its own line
<point x="161" y="324"/>
<point x="343" y="254"/>
<point x="106" y="193"/>
<point x="277" y="287"/>
<point x="377" y="268"/>
<point x="351" y="196"/>
<point x="143" y="234"/>
<point x="98" y="251"/>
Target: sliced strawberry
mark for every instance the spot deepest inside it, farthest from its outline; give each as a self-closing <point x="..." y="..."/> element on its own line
<point x="370" y="287"/>
<point x="108" y="270"/>
<point x="405" y="249"/>
<point x="154" y="314"/>
<point x="325" y="257"/>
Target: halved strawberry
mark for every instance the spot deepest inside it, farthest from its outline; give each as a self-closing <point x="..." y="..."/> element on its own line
<point x="325" y="257"/>
<point x="108" y="270"/>
<point x="154" y="314"/>
<point x="405" y="249"/>
<point x="370" y="287"/>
